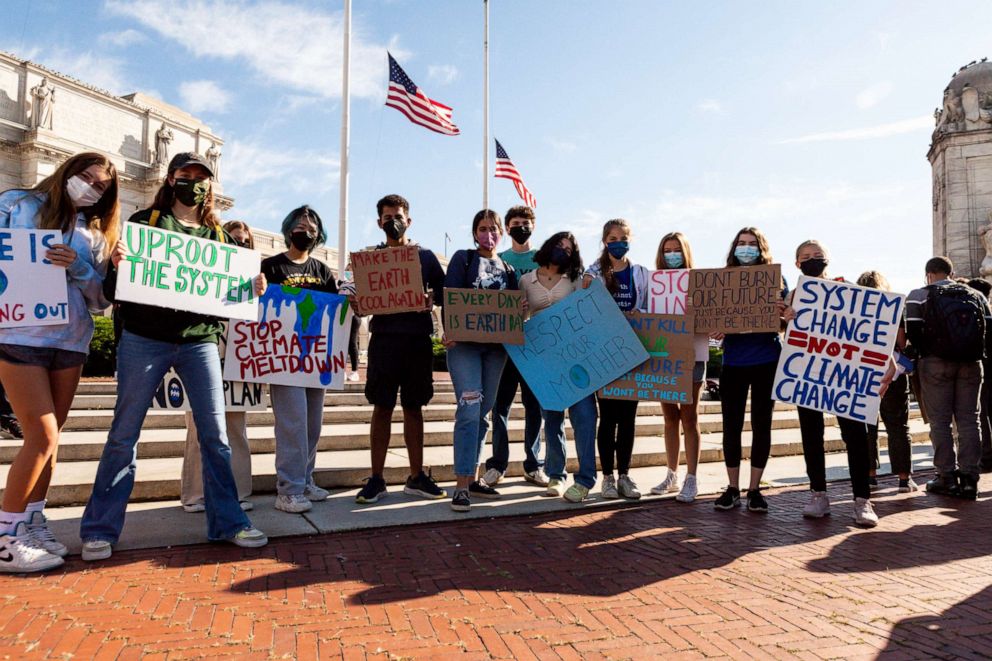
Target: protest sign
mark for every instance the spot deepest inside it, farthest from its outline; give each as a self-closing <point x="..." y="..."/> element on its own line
<point x="483" y="315"/>
<point x="736" y="300"/>
<point x="301" y="339"/>
<point x="33" y="291"/>
<point x="575" y="347"/>
<point x="175" y="270"/>
<point x="388" y="281"/>
<point x="837" y="348"/>
<point x="667" y="375"/>
<point x="667" y="291"/>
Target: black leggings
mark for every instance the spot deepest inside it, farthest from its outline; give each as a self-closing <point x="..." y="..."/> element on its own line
<point x="734" y="384"/>
<point x="616" y="434"/>
<point x="356" y="324"/>
<point x="855" y="435"/>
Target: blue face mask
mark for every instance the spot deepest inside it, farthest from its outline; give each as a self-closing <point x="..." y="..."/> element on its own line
<point x="674" y="260"/>
<point x="618" y="248"/>
<point x="746" y="255"/>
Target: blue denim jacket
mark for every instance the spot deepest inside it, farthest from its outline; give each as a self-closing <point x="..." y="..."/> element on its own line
<point x="19" y="209"/>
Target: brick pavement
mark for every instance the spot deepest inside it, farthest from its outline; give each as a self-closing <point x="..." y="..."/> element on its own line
<point x="644" y="581"/>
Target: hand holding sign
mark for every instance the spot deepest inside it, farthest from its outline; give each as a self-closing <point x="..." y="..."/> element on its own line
<point x="33" y="289"/>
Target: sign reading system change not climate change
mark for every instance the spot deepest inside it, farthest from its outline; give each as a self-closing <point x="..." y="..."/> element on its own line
<point x="32" y="290"/>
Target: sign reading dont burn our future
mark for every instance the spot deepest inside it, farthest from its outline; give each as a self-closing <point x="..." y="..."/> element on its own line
<point x="837" y="348"/>
<point x="483" y="315"/>
<point x="175" y="270"/>
<point x="389" y="280"/>
<point x="736" y="300"/>
<point x="667" y="375"/>
<point x="575" y="347"/>
<point x="33" y="291"/>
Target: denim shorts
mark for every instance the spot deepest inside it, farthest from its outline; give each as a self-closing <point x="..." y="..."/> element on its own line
<point x="49" y="358"/>
<point x="699" y="371"/>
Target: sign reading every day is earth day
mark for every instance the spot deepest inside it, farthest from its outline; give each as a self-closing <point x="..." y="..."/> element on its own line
<point x="33" y="291"/>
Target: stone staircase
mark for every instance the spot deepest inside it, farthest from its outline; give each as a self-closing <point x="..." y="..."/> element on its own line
<point x="343" y="457"/>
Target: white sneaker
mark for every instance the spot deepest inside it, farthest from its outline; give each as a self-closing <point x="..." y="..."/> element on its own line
<point x="246" y="505"/>
<point x="96" y="549"/>
<point x="353" y="377"/>
<point x="492" y="477"/>
<point x="193" y="508"/>
<point x="609" y="488"/>
<point x="294" y="504"/>
<point x="668" y="485"/>
<point x="689" y="490"/>
<point x="19" y="553"/>
<point x="37" y="527"/>
<point x="538" y="477"/>
<point x="864" y="514"/>
<point x="556" y="489"/>
<point x="315" y="494"/>
<point x="627" y="488"/>
<point x="250" y="538"/>
<point x="818" y="505"/>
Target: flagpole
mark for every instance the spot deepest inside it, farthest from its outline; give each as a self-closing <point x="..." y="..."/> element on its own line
<point x="345" y="144"/>
<point x="485" y="109"/>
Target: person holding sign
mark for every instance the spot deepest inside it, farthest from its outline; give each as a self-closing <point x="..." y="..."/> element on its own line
<point x="628" y="284"/>
<point x="299" y="411"/>
<point x="153" y="341"/>
<point x="476" y="367"/>
<point x="40" y="365"/>
<point x="557" y="276"/>
<point x="749" y="363"/>
<point x="674" y="253"/>
<point x="401" y="362"/>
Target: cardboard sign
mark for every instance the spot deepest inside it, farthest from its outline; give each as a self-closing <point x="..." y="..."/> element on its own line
<point x="575" y="347"/>
<point x="33" y="291"/>
<point x="667" y="291"/>
<point x="483" y="315"/>
<point x="301" y="340"/>
<point x="183" y="272"/>
<point x="736" y="300"/>
<point x="837" y="349"/>
<point x="667" y="375"/>
<point x="388" y="280"/>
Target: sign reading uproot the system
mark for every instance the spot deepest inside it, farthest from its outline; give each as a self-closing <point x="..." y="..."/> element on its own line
<point x="483" y="315"/>
<point x="33" y="291"/>
<point x="667" y="291"/>
<point x="183" y="272"/>
<point x="575" y="347"/>
<point x="301" y="340"/>
<point x="388" y="280"/>
<point x="736" y="300"/>
<point x="667" y="375"/>
<point x="837" y="348"/>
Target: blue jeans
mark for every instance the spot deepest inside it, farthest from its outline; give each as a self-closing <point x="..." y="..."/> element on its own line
<point x="475" y="371"/>
<point x="141" y="364"/>
<point x="501" y="415"/>
<point x="582" y="415"/>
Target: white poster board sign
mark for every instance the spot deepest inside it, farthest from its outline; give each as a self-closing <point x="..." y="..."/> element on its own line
<point x="33" y="291"/>
<point x="667" y="291"/>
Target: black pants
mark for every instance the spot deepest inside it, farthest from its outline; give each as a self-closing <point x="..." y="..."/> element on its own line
<point x="616" y="434"/>
<point x="985" y="416"/>
<point x="734" y="385"/>
<point x="356" y="324"/>
<point x="855" y="436"/>
<point x="894" y="412"/>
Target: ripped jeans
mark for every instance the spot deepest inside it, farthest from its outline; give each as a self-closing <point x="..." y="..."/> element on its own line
<point x="475" y="372"/>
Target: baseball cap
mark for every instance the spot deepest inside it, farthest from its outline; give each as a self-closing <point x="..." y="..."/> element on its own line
<point x="184" y="158"/>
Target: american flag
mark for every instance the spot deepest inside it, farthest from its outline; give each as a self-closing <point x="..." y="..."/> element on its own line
<point x="412" y="102"/>
<point x="507" y="170"/>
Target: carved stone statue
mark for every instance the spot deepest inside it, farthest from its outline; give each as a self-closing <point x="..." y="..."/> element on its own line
<point x="213" y="160"/>
<point x="43" y="98"/>
<point x="985" y="270"/>
<point x="163" y="137"/>
<point x="953" y="113"/>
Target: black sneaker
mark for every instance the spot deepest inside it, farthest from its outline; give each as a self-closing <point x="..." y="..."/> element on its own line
<point x="968" y="487"/>
<point x="755" y="501"/>
<point x="730" y="499"/>
<point x="944" y="485"/>
<point x="9" y="424"/>
<point x="374" y="489"/>
<point x="424" y="486"/>
<point x="461" y="502"/>
<point x="479" y="490"/>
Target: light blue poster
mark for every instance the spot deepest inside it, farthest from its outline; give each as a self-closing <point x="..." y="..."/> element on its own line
<point x="575" y="347"/>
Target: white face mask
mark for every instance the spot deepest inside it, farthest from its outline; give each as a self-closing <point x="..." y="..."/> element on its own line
<point x="82" y="194"/>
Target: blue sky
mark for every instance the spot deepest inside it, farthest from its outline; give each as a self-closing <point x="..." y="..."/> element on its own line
<point x="805" y="120"/>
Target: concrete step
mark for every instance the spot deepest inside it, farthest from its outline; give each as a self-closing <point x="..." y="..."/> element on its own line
<point x="109" y="387"/>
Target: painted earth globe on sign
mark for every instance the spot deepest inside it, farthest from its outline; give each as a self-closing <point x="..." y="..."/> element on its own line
<point x="4" y="281"/>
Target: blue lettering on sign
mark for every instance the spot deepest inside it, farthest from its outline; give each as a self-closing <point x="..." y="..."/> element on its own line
<point x="6" y="250"/>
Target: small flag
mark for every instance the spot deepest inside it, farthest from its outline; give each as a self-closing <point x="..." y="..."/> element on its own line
<point x="506" y="170"/>
<point x="412" y="102"/>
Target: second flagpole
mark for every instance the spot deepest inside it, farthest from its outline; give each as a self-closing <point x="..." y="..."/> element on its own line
<point x="485" y="109"/>
<point x="345" y="144"/>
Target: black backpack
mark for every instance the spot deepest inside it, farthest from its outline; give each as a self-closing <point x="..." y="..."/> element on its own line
<point x="954" y="323"/>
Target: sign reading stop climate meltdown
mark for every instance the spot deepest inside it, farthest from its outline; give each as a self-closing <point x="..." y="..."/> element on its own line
<point x="175" y="270"/>
<point x="736" y="300"/>
<point x="483" y="315"/>
<point x="837" y="348"/>
<point x="667" y="375"/>
<point x="389" y="280"/>
<point x="575" y="347"/>
<point x="33" y="291"/>
<point x="301" y="340"/>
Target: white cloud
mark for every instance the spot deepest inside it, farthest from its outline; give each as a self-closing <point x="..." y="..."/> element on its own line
<point x="710" y="105"/>
<point x="867" y="133"/>
<point x="442" y="74"/>
<point x="561" y="146"/>
<point x="95" y="69"/>
<point x="291" y="45"/>
<point x="123" y="38"/>
<point x="204" y="96"/>
<point x="872" y="96"/>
